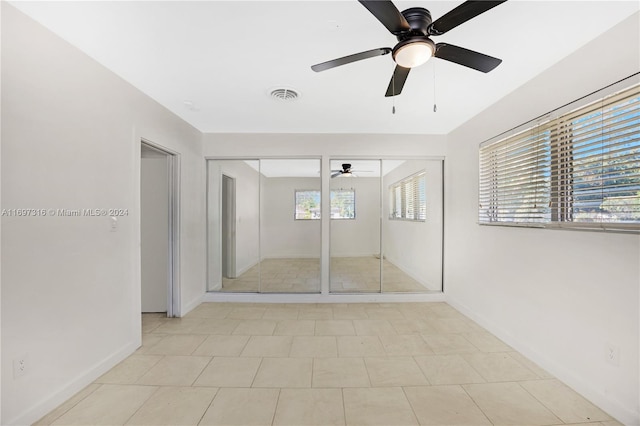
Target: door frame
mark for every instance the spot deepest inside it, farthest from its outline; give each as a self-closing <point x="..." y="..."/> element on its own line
<point x="173" y="263"/>
<point x="228" y="206"/>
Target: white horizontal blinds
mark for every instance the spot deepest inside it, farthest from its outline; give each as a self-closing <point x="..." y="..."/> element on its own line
<point x="514" y="178"/>
<point x="408" y="198"/>
<point x="408" y="195"/>
<point x="580" y="168"/>
<point x="421" y="195"/>
<point x="396" y="201"/>
<point x="597" y="151"/>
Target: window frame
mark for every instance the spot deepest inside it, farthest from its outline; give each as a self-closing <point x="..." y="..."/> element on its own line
<point x="564" y="146"/>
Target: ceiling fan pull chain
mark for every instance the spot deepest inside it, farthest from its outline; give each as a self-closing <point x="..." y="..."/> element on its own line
<point x="435" y="108"/>
<point x="393" y="84"/>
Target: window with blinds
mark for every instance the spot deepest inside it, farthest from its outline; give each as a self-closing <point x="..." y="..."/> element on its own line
<point x="408" y="199"/>
<point x="578" y="169"/>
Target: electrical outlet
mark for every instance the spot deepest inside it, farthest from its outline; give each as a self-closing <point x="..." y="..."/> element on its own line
<point x="612" y="354"/>
<point x="20" y="366"/>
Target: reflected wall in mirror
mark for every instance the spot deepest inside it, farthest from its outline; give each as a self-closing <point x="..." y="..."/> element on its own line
<point x="233" y="225"/>
<point x="290" y="228"/>
<point x="412" y="225"/>
<point x="355" y="226"/>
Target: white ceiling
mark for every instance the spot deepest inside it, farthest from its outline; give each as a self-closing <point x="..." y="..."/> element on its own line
<point x="303" y="167"/>
<point x="222" y="57"/>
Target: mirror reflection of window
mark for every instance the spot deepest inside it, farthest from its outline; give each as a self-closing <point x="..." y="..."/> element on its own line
<point x="307" y="204"/>
<point x="412" y="226"/>
<point x="343" y="204"/>
<point x="355" y="226"/>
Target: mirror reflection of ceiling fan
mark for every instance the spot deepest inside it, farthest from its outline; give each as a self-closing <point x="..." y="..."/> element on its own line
<point x="346" y="171"/>
<point x="414" y="28"/>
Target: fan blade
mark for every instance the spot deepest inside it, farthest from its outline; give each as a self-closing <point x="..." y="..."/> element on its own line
<point x="397" y="81"/>
<point x="351" y="58"/>
<point x="388" y="14"/>
<point x="460" y="15"/>
<point x="466" y="57"/>
<point x="336" y="174"/>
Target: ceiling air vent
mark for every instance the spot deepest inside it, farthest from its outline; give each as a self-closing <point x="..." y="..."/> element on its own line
<point x="284" y="94"/>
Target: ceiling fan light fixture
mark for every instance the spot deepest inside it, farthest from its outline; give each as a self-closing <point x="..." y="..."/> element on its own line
<point x="413" y="52"/>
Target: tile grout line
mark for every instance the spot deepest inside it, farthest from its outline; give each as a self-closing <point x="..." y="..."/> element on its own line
<point x="201" y="371"/>
<point x="143" y="402"/>
<point x="204" y="413"/>
<point x="275" y="409"/>
<point x="476" y="403"/>
<point x="413" y="411"/>
<point x="552" y="411"/>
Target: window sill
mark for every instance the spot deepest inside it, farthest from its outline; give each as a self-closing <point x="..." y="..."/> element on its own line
<point x="625" y="228"/>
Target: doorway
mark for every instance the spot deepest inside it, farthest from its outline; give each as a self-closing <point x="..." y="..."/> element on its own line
<point x="158" y="230"/>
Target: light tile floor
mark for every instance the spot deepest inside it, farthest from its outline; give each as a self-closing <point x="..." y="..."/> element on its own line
<point x="348" y="275"/>
<point x="325" y="364"/>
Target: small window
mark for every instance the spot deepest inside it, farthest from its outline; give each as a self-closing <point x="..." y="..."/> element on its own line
<point x="343" y="204"/>
<point x="307" y="204"/>
<point x="408" y="199"/>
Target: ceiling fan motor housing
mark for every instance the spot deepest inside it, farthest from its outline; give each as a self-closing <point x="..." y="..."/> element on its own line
<point x="419" y="20"/>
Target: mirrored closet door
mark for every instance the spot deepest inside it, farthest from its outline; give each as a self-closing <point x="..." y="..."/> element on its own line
<point x="385" y="226"/>
<point x="233" y="225"/>
<point x="355" y="226"/>
<point x="412" y="226"/>
<point x="263" y="222"/>
<point x="290" y="225"/>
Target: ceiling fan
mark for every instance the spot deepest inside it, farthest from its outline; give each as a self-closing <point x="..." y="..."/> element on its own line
<point x="346" y="171"/>
<point x="414" y="28"/>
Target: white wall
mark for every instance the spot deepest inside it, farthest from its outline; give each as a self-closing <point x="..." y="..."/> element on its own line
<point x="257" y="145"/>
<point x="154" y="232"/>
<point x="71" y="288"/>
<point x="281" y="235"/>
<point x="360" y="236"/>
<point x="247" y="217"/>
<point x="557" y="296"/>
<point x="416" y="247"/>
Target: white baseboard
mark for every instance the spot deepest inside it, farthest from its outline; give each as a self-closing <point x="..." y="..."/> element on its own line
<point x="191" y="305"/>
<point x="75" y="385"/>
<point x="245" y="268"/>
<point x="292" y="256"/>
<point x="614" y="408"/>
<point x="409" y="273"/>
<point x="376" y="255"/>
<point x="323" y="298"/>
